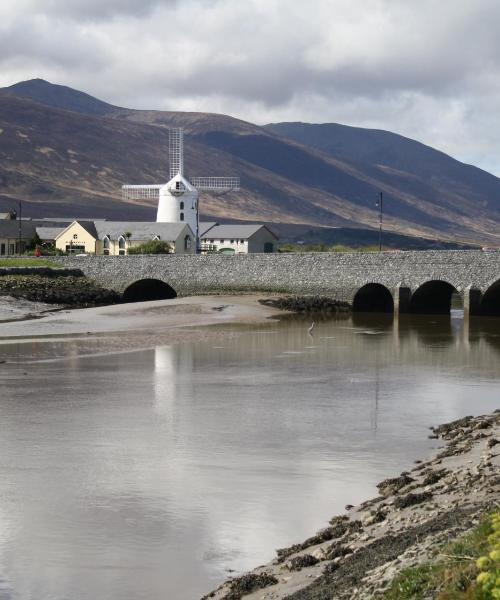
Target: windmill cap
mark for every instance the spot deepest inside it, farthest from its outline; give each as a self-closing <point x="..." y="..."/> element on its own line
<point x="173" y="186"/>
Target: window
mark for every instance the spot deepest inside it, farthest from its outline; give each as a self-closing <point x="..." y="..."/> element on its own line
<point x="181" y="206"/>
<point x="211" y="241"/>
<point x="121" y="243"/>
<point x="75" y="236"/>
<point x="231" y="241"/>
<point x="187" y="242"/>
<point x="105" y="243"/>
<point x="75" y="249"/>
<point x="182" y="216"/>
<point x="2" y="249"/>
<point x="121" y="252"/>
<point x="223" y="241"/>
<point x="242" y="241"/>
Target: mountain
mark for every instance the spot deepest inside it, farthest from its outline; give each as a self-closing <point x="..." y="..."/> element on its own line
<point x="59" y="96"/>
<point x="63" y="152"/>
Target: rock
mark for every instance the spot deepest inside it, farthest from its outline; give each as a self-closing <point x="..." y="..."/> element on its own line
<point x="246" y="584"/>
<point x="412" y="499"/>
<point x="492" y="442"/>
<point x="300" y="562"/>
<point x="434" y="477"/>
<point x="387" y="487"/>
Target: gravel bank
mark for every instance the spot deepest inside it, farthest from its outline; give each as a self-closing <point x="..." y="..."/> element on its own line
<point x="359" y="553"/>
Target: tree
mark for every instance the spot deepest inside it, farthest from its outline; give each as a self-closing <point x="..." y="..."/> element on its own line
<point x="152" y="247"/>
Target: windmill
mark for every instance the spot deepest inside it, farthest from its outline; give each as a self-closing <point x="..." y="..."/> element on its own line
<point x="178" y="198"/>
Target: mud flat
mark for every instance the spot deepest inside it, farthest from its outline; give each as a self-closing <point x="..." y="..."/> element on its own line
<point x="359" y="553"/>
<point x="133" y="326"/>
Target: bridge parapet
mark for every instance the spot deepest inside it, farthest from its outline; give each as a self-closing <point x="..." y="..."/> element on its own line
<point x="339" y="275"/>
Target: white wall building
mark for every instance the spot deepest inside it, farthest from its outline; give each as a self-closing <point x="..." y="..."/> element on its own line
<point x="236" y="239"/>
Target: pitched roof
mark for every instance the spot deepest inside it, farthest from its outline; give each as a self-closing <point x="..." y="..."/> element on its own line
<point x="49" y="233"/>
<point x="89" y="227"/>
<point x="140" y="231"/>
<point x="10" y="229"/>
<point x="231" y="230"/>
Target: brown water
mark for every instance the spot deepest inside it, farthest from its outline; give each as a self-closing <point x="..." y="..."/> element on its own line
<point x="152" y="474"/>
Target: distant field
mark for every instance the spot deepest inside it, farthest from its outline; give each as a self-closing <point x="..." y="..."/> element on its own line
<point x="26" y="262"/>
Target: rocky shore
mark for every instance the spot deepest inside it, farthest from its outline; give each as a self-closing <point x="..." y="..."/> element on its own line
<point x="357" y="556"/>
<point x="56" y="287"/>
<point x="307" y="304"/>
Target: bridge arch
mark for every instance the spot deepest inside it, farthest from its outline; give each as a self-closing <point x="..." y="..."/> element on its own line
<point x="490" y="302"/>
<point x="148" y="289"/>
<point x="373" y="297"/>
<point x="432" y="298"/>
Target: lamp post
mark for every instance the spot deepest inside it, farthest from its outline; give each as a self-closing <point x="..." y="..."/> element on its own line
<point x="380" y="205"/>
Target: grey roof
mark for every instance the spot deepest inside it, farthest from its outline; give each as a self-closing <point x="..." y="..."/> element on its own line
<point x="49" y="233"/>
<point x="10" y="229"/>
<point x="140" y="230"/>
<point x="232" y="231"/>
<point x="89" y="227"/>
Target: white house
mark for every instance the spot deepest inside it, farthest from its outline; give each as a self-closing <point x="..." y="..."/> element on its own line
<point x="236" y="238"/>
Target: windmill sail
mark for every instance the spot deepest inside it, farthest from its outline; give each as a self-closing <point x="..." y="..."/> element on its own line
<point x="141" y="192"/>
<point x="222" y="184"/>
<point x="176" y="151"/>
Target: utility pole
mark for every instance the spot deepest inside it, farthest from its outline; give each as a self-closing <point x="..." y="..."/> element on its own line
<point x="380" y="205"/>
<point x="20" y="226"/>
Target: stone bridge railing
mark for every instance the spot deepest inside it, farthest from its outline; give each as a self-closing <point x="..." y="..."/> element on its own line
<point x="411" y="281"/>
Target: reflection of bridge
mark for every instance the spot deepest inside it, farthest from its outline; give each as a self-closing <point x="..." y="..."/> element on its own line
<point x="403" y="282"/>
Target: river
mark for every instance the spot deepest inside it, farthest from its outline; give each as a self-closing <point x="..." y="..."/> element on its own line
<point x="157" y="473"/>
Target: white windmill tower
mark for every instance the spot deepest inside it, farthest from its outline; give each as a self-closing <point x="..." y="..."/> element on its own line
<point x="178" y="198"/>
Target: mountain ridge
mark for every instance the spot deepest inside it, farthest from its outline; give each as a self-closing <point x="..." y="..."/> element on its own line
<point x="62" y="149"/>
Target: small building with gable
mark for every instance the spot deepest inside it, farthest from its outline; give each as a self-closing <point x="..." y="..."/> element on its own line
<point x="236" y="238"/>
<point x="115" y="238"/>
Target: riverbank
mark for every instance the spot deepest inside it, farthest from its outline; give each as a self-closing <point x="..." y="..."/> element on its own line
<point x="358" y="555"/>
<point x="134" y="326"/>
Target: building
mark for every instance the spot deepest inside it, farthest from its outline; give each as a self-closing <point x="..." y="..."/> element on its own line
<point x="15" y="236"/>
<point x="236" y="238"/>
<point x="114" y="238"/>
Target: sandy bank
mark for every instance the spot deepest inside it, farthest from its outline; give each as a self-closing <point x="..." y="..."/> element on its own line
<point x="142" y="325"/>
<point x="359" y="553"/>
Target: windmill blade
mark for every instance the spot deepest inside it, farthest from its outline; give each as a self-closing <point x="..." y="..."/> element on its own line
<point x="220" y="184"/>
<point x="176" y="151"/>
<point x="141" y="192"/>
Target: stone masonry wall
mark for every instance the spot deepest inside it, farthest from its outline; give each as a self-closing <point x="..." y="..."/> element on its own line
<point x="338" y="275"/>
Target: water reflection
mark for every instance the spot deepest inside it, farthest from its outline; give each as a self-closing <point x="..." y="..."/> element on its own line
<point x="150" y="474"/>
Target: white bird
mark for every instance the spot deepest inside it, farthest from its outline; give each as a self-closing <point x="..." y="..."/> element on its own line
<point x="310" y="330"/>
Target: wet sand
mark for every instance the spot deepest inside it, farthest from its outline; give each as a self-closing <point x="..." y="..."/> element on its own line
<point x="143" y="324"/>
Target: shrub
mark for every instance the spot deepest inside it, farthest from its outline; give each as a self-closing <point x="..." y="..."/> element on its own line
<point x="489" y="578"/>
<point x="151" y="247"/>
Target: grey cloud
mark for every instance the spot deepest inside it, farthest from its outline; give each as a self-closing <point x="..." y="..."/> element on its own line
<point x="100" y="9"/>
<point x="389" y="63"/>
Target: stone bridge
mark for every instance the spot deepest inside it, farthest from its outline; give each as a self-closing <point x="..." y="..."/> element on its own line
<point x="417" y="282"/>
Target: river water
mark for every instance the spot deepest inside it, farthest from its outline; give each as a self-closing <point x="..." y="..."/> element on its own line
<point x="154" y="474"/>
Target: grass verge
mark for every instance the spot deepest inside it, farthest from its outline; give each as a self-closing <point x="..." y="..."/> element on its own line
<point x="26" y="262"/>
<point x="452" y="576"/>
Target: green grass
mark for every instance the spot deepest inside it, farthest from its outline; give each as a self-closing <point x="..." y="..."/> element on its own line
<point x="451" y="576"/>
<point x="26" y="262"/>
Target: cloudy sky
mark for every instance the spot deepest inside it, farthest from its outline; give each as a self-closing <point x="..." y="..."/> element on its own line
<point x="428" y="69"/>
